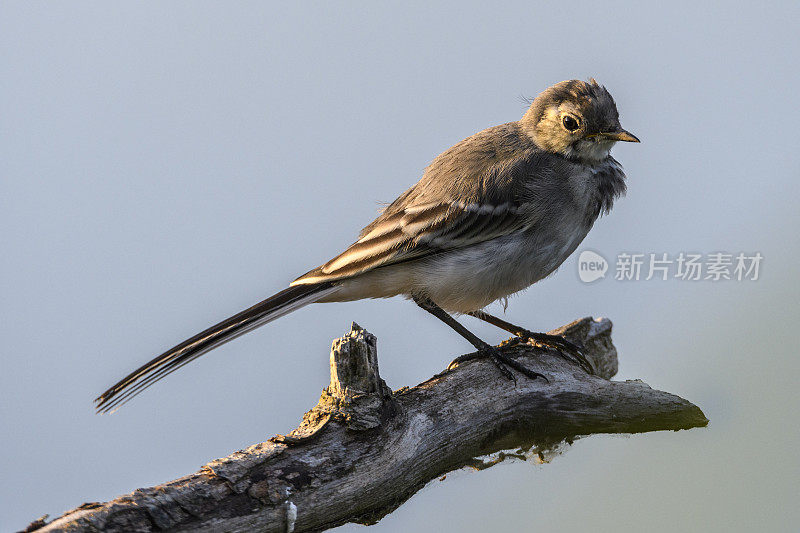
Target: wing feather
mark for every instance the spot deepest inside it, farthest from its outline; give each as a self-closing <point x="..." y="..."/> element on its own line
<point x="417" y="231"/>
<point x="469" y="194"/>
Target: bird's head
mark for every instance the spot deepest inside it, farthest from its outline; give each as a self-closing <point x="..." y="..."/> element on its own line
<point x="576" y="119"/>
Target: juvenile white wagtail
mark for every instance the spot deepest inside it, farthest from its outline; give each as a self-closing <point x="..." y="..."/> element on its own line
<point x="492" y="215"/>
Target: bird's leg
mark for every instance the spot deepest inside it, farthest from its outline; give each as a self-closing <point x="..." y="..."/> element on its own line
<point x="500" y="360"/>
<point x="553" y="341"/>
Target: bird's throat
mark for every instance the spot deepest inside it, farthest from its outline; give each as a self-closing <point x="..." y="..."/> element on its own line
<point x="589" y="152"/>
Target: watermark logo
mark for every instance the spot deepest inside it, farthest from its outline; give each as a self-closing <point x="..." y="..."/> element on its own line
<point x="591" y="266"/>
<point x="686" y="266"/>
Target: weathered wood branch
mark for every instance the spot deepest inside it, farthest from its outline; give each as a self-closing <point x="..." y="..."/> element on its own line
<point x="363" y="450"/>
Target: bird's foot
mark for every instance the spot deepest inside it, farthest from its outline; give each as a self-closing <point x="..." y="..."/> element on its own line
<point x="503" y="363"/>
<point x="563" y="347"/>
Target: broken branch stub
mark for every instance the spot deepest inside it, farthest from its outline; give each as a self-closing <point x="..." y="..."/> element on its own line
<point x="363" y="450"/>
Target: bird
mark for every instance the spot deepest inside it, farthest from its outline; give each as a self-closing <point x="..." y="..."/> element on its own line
<point x="489" y="217"/>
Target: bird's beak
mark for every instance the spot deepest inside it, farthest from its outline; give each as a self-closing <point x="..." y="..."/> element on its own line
<point x="620" y="135"/>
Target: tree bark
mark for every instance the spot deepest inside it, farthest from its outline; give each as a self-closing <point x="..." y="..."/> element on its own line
<point x="363" y="450"/>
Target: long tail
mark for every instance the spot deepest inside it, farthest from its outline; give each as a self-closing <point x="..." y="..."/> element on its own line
<point x="273" y="307"/>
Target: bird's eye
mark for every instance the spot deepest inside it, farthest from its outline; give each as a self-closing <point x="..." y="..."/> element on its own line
<point x="571" y="123"/>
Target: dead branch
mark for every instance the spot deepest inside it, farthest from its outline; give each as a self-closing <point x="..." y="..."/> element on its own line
<point x="363" y="450"/>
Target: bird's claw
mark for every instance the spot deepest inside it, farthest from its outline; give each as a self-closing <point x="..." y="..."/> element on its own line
<point x="503" y="363"/>
<point x="563" y="347"/>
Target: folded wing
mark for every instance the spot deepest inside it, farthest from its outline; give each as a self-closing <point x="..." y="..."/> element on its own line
<point x="416" y="231"/>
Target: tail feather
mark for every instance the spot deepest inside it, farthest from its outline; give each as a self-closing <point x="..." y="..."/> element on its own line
<point x="263" y="312"/>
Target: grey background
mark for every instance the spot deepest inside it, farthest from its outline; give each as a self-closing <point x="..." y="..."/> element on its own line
<point x="165" y="165"/>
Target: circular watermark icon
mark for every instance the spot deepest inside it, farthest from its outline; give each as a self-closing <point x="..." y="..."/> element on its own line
<point x="591" y="266"/>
